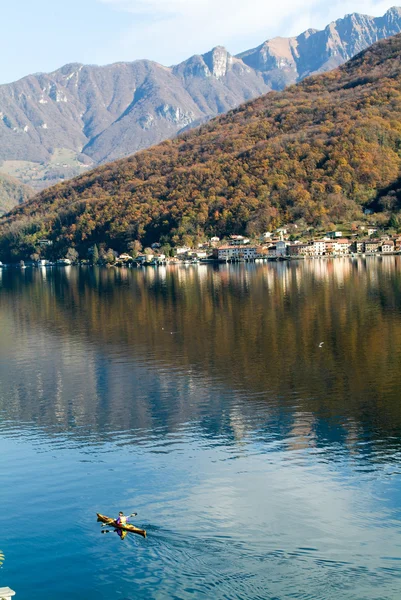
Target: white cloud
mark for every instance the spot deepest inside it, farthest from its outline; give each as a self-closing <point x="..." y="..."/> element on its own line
<point x="172" y="30"/>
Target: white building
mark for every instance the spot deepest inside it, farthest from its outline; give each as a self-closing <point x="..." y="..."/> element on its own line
<point x="238" y="240"/>
<point x="319" y="247"/>
<point x="124" y="257"/>
<point x="334" y="234"/>
<point x="237" y="253"/>
<point x="182" y="250"/>
<point x="342" y="247"/>
<point x="388" y="246"/>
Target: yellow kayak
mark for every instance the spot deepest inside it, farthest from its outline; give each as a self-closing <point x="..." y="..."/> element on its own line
<point x="127" y="527"/>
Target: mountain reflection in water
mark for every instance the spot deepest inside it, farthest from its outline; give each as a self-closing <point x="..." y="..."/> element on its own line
<point x="199" y="366"/>
<point x="254" y="331"/>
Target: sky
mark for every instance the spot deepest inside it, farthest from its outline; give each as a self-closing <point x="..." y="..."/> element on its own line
<point x="43" y="35"/>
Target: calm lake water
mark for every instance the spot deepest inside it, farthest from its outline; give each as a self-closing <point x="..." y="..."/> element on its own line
<point x="262" y="463"/>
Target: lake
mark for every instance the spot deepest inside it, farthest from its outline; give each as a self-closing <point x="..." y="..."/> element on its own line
<point x="250" y="415"/>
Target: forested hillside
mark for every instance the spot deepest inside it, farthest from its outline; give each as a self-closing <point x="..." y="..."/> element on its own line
<point x="57" y="125"/>
<point x="12" y="192"/>
<point x="319" y="152"/>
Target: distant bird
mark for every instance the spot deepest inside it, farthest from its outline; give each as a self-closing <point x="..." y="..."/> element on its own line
<point x="321" y="344"/>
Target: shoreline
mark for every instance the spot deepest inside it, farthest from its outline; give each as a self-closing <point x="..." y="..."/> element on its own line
<point x="287" y="259"/>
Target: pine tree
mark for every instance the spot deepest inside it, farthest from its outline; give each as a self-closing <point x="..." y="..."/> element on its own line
<point x="95" y="255"/>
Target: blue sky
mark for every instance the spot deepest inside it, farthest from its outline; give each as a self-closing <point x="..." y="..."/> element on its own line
<point x="42" y="35"/>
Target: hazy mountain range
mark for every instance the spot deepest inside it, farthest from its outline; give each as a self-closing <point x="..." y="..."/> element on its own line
<point x="53" y="126"/>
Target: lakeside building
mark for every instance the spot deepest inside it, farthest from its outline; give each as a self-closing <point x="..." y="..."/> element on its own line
<point x="195" y="254"/>
<point x="388" y="246"/>
<point x="144" y="258"/>
<point x="125" y="257"/>
<point x="339" y="247"/>
<point x="372" y="246"/>
<point x="243" y="252"/>
<point x="342" y="246"/>
<point x="277" y="250"/>
<point x="319" y="247"/>
<point x="300" y="250"/>
<point x="182" y="250"/>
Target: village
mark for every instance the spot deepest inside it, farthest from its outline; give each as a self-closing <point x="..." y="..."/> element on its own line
<point x="270" y="246"/>
<point x="279" y="246"/>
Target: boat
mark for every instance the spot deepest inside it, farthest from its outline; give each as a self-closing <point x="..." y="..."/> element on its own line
<point x="127" y="527"/>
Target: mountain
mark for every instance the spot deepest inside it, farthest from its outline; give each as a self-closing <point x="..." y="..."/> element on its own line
<point x="317" y="153"/>
<point x="12" y="192"/>
<point x="54" y="126"/>
<point x="283" y="61"/>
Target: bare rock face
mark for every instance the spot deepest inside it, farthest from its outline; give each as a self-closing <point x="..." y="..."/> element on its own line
<point x="218" y="61"/>
<point x="58" y="124"/>
<point x="317" y="51"/>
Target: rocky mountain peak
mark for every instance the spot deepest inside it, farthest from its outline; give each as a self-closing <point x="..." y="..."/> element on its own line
<point x="393" y="13"/>
<point x="68" y="69"/>
<point x="218" y="61"/>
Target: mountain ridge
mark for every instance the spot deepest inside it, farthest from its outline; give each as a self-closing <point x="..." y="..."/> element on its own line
<point x="55" y="126"/>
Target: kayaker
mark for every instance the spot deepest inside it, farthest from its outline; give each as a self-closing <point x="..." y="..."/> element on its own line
<point x="122" y="519"/>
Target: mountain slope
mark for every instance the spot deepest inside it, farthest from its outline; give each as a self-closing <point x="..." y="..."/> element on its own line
<point x="53" y="126"/>
<point x="12" y="193"/>
<point x="320" y="151"/>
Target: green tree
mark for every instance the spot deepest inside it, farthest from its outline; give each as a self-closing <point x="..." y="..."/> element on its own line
<point x="134" y="248"/>
<point x="110" y="257"/>
<point x="72" y="255"/>
<point x="95" y="255"/>
<point x="165" y="249"/>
